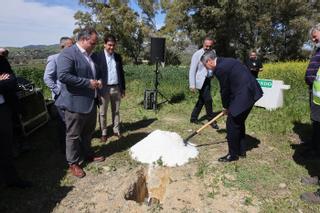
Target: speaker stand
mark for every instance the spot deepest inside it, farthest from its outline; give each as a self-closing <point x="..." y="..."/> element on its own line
<point x="156" y="84"/>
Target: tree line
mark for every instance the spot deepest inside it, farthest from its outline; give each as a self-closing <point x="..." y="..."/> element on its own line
<point x="277" y="29"/>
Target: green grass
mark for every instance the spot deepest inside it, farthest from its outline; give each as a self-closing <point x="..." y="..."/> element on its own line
<point x="271" y="162"/>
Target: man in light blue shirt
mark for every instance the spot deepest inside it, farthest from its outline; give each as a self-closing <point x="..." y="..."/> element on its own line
<point x="113" y="83"/>
<point x="51" y="80"/>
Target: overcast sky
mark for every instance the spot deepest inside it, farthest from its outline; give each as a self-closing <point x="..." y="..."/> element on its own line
<point x="25" y="22"/>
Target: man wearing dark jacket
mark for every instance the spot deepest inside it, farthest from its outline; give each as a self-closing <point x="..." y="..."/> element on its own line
<point x="239" y="91"/>
<point x="113" y="83"/>
<point x="8" y="103"/>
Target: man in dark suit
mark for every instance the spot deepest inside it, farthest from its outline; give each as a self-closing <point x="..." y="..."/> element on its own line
<point x="254" y="64"/>
<point x="239" y="91"/>
<point x="79" y="76"/>
<point x="8" y="105"/>
<point x="113" y="83"/>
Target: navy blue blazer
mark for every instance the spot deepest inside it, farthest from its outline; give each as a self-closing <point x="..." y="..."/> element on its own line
<point x="74" y="72"/>
<point x="102" y="63"/>
<point x="239" y="89"/>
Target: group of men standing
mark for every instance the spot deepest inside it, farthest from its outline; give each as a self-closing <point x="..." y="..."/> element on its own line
<point x="81" y="81"/>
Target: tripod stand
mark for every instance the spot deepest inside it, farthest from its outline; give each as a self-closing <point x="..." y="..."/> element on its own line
<point x="156" y="84"/>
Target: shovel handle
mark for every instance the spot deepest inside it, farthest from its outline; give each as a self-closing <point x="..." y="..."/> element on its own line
<point x="210" y="122"/>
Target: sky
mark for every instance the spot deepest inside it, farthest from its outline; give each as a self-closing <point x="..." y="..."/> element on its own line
<point x="26" y="22"/>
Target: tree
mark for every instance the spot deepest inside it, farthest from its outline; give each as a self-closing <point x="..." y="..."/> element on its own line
<point x="117" y="18"/>
<point x="277" y="29"/>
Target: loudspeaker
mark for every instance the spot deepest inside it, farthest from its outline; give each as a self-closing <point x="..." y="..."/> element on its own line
<point x="157" y="49"/>
<point x="150" y="99"/>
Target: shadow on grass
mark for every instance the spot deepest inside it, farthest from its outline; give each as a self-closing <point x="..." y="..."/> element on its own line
<point x="250" y="143"/>
<point x="177" y="98"/>
<point x="213" y="143"/>
<point x="44" y="165"/>
<point x="204" y="117"/>
<point x="123" y="144"/>
<point x="303" y="152"/>
<point x="125" y="127"/>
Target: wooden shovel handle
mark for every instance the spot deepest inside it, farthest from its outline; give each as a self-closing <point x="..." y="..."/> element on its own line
<point x="210" y="122"/>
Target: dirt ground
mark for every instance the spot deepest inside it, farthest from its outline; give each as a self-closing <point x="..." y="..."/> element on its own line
<point x="202" y="185"/>
<point x="104" y="191"/>
<point x="184" y="193"/>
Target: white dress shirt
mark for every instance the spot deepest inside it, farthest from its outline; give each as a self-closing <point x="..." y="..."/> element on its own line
<point x="88" y="58"/>
<point x="91" y="63"/>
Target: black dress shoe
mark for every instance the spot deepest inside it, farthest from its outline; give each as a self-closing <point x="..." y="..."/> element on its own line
<point x="228" y="158"/>
<point x="194" y="121"/>
<point x="214" y="125"/>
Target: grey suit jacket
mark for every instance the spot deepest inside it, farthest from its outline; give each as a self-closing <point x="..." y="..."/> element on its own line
<point x="74" y="73"/>
<point x="50" y="76"/>
<point x="197" y="72"/>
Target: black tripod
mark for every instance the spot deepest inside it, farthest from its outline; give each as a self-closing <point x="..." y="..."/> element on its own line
<point x="156" y="84"/>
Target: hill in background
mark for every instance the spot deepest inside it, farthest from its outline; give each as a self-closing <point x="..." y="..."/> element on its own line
<point x="31" y="53"/>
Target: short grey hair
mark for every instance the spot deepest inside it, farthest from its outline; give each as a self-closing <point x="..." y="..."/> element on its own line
<point x="86" y="33"/>
<point x="208" y="55"/>
<point x="63" y="41"/>
<point x="315" y="28"/>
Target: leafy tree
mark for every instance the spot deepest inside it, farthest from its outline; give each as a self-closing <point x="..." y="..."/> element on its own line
<point x="117" y="18"/>
<point x="276" y="28"/>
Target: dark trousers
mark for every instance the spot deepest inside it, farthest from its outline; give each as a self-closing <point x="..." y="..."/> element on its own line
<point x="236" y="132"/>
<point x="7" y="169"/>
<point x="61" y="129"/>
<point x="316" y="135"/>
<point x="205" y="99"/>
<point x="255" y="74"/>
<point x="79" y="130"/>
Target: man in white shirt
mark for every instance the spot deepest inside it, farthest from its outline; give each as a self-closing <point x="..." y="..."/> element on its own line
<point x="113" y="83"/>
<point x="199" y="78"/>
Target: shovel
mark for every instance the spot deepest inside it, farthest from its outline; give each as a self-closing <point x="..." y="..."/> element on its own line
<point x="185" y="141"/>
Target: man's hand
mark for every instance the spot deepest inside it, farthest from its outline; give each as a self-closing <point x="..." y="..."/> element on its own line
<point x="225" y="111"/>
<point x="99" y="84"/>
<point x="192" y="89"/>
<point x="94" y="84"/>
<point x="4" y="76"/>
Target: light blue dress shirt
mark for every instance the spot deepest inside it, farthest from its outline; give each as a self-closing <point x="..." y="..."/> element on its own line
<point x="112" y="70"/>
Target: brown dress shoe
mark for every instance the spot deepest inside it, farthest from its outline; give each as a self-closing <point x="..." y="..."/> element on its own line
<point x="95" y="158"/>
<point x="103" y="138"/>
<point x="77" y="171"/>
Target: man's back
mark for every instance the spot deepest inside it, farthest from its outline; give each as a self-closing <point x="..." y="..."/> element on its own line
<point x="238" y="87"/>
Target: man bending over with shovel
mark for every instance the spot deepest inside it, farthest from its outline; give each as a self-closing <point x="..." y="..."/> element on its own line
<point x="239" y="91"/>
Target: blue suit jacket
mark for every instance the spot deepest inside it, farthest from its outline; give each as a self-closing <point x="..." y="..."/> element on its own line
<point x="239" y="89"/>
<point x="102" y="63"/>
<point x="74" y="73"/>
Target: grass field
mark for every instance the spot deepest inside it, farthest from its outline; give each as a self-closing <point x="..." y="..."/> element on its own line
<point x="269" y="176"/>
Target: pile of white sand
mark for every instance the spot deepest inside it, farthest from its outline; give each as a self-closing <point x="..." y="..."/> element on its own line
<point x="166" y="145"/>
